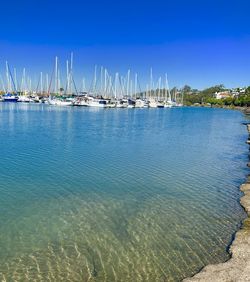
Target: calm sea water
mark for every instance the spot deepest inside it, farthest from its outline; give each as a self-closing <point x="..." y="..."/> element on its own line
<point x="117" y="195"/>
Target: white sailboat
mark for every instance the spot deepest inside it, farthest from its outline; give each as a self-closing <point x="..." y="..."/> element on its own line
<point x="60" y="101"/>
<point x="168" y="101"/>
<point x="9" y="96"/>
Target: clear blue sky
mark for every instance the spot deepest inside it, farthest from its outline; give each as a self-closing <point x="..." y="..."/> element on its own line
<point x="199" y="43"/>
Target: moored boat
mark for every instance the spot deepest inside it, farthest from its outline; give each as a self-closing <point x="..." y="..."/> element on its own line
<point x="24" y="99"/>
<point x="99" y="103"/>
<point x="139" y="103"/>
<point x="152" y="103"/>
<point x="122" y="104"/>
<point x="160" y="105"/>
<point x="8" y="97"/>
<point x="131" y="103"/>
<point x="81" y="102"/>
<point x="60" y="102"/>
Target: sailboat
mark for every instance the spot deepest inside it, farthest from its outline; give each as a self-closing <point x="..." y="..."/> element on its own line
<point x="139" y="103"/>
<point x="23" y="98"/>
<point x="168" y="101"/>
<point x="8" y="96"/>
<point x="62" y="101"/>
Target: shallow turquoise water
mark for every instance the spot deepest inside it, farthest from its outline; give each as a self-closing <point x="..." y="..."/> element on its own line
<point x="117" y="195"/>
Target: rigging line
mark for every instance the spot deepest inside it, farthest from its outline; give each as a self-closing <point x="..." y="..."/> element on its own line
<point x="50" y="83"/>
<point x="91" y="85"/>
<point x="66" y="88"/>
<point x="74" y="85"/>
<point x="18" y="85"/>
<point x="2" y="83"/>
<point x="121" y="85"/>
<point x="38" y="85"/>
<point x="12" y="79"/>
<point x="139" y="85"/>
<point x="112" y="84"/>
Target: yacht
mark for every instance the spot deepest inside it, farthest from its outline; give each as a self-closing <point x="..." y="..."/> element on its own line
<point x="122" y="104"/>
<point x="152" y="103"/>
<point x="160" y="105"/>
<point x="8" y="97"/>
<point x="81" y="102"/>
<point x="24" y="99"/>
<point x="60" y="102"/>
<point x="96" y="102"/>
<point x="131" y="103"/>
<point x="139" y="103"/>
<point x="35" y="99"/>
<point x="167" y="105"/>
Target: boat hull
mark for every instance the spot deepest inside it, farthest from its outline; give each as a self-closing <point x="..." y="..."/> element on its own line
<point x="10" y="100"/>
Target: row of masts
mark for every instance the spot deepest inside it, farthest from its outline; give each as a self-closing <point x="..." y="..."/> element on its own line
<point x="103" y="84"/>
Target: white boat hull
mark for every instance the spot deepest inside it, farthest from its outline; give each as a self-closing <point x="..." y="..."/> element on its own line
<point x="57" y="102"/>
<point x="24" y="99"/>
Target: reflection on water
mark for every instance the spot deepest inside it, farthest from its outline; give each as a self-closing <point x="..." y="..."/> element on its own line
<point x="117" y="195"/>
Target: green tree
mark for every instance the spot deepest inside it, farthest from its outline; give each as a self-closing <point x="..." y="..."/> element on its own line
<point x="228" y="101"/>
<point x="187" y="89"/>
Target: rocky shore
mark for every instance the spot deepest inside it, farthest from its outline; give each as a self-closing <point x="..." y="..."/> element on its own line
<point x="237" y="268"/>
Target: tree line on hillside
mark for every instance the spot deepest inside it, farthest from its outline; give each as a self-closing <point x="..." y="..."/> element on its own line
<point x="207" y="96"/>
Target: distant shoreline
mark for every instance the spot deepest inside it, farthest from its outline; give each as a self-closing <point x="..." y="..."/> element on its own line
<point x="237" y="268"/>
<point x="219" y="107"/>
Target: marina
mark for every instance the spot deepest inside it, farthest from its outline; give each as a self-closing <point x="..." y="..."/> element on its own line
<point x="104" y="91"/>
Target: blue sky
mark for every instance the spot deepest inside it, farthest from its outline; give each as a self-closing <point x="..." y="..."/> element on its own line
<point x="199" y="43"/>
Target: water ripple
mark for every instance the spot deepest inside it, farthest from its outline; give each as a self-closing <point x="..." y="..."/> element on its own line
<point x="117" y="195"/>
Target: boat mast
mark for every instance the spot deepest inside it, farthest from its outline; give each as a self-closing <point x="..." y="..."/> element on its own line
<point x="83" y="85"/>
<point x="151" y="82"/>
<point x="95" y="80"/>
<point x="30" y="85"/>
<point x="24" y="81"/>
<point x="4" y="89"/>
<point x="41" y="86"/>
<point x="122" y="85"/>
<point x="15" y="77"/>
<point x="105" y="81"/>
<point x="166" y="87"/>
<point x="22" y="84"/>
<point x="116" y="81"/>
<point x="101" y="79"/>
<point x="135" y="84"/>
<point x="71" y="72"/>
<point x="47" y="83"/>
<point x="128" y="82"/>
<point x="159" y="92"/>
<point x="7" y="77"/>
<point x="110" y="86"/>
<point x="146" y="92"/>
<point x="67" y="78"/>
<point x="58" y="81"/>
<point x="10" y="78"/>
<point x="56" y="76"/>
